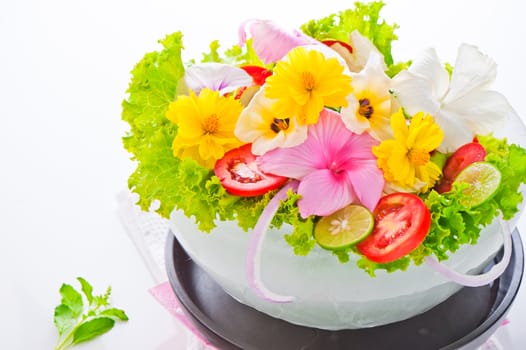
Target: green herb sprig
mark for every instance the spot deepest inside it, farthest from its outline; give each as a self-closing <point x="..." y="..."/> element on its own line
<point x="77" y="321"/>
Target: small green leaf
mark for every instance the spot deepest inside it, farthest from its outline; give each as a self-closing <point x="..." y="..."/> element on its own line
<point x="87" y="289"/>
<point x="71" y="298"/>
<point x="92" y="328"/>
<point x="115" y="313"/>
<point x="64" y="318"/>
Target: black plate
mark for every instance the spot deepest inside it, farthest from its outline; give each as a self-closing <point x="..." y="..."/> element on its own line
<point x="465" y="320"/>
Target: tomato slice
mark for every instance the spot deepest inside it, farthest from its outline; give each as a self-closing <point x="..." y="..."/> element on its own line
<point x="402" y="222"/>
<point x="469" y="153"/>
<point x="240" y="175"/>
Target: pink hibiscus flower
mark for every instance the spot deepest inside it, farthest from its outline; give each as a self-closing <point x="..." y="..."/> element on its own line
<point x="335" y="167"/>
<point x="270" y="41"/>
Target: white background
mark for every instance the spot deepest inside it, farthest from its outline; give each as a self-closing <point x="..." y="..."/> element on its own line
<point x="64" y="69"/>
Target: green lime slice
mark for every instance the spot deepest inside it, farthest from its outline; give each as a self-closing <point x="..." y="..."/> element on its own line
<point x="344" y="227"/>
<point x="484" y="180"/>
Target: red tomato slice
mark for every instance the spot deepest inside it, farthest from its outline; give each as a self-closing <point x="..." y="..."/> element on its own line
<point x="402" y="222"/>
<point x="469" y="153"/>
<point x="240" y="175"/>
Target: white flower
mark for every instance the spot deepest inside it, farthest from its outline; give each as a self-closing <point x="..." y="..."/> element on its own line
<point x="215" y="76"/>
<point x="462" y="106"/>
<point x="370" y="106"/>
<point x="361" y="48"/>
<point x="259" y="125"/>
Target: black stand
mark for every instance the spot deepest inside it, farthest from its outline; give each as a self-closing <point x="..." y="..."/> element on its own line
<point x="464" y="321"/>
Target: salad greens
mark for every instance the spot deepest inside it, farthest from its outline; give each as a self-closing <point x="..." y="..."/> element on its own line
<point x="454" y="224"/>
<point x="365" y="18"/>
<point x="183" y="184"/>
<point x="77" y="322"/>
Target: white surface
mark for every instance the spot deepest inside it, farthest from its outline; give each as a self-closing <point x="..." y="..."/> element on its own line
<point x="64" y="67"/>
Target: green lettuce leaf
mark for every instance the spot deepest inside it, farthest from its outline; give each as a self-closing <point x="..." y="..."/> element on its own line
<point x="152" y="88"/>
<point x="365" y="18"/>
<point x="235" y="55"/>
<point x="511" y="161"/>
<point x="452" y="223"/>
<point x="160" y="178"/>
<point x="301" y="238"/>
<point x="169" y="183"/>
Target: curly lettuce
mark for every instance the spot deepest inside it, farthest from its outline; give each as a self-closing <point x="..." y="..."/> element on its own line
<point x="365" y="18"/>
<point x="160" y="178"/>
<point x="453" y="224"/>
<point x="235" y="55"/>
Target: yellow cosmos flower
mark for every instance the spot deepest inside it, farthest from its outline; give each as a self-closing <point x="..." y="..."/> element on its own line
<point x="405" y="160"/>
<point x="306" y="81"/>
<point x="205" y="126"/>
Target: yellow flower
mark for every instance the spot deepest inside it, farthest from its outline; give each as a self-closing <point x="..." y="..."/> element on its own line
<point x="405" y="160"/>
<point x="205" y="126"/>
<point x="306" y="81"/>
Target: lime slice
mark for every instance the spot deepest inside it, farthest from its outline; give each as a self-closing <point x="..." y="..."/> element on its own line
<point x="484" y="180"/>
<point x="344" y="227"/>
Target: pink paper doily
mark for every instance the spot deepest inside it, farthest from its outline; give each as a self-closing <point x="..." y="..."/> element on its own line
<point x="164" y="294"/>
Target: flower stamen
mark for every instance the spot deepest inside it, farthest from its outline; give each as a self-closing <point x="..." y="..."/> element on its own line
<point x="418" y="156"/>
<point x="365" y="108"/>
<point x="309" y="83"/>
<point x="211" y="124"/>
<point x="279" y="124"/>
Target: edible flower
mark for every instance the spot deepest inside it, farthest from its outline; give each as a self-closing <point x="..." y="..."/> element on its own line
<point x="406" y="159"/>
<point x="270" y="42"/>
<point x="205" y="126"/>
<point x="306" y="81"/>
<point x="369" y="107"/>
<point x="215" y="76"/>
<point x="259" y="125"/>
<point x="333" y="161"/>
<point x="363" y="48"/>
<point x="463" y="105"/>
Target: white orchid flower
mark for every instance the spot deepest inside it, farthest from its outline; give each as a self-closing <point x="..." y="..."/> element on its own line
<point x="462" y="106"/>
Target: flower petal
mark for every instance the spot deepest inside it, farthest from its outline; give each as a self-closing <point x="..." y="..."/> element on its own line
<point x="216" y="76"/>
<point x="270" y="41"/>
<point x="457" y="133"/>
<point x="324" y="139"/>
<point x="356" y="147"/>
<point x="473" y="71"/>
<point x="482" y="111"/>
<point x="368" y="182"/>
<point x="428" y="67"/>
<point x="414" y="93"/>
<point x="322" y="193"/>
<point x="254" y="125"/>
<point x="295" y="162"/>
<point x="362" y="49"/>
<point x="353" y="122"/>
